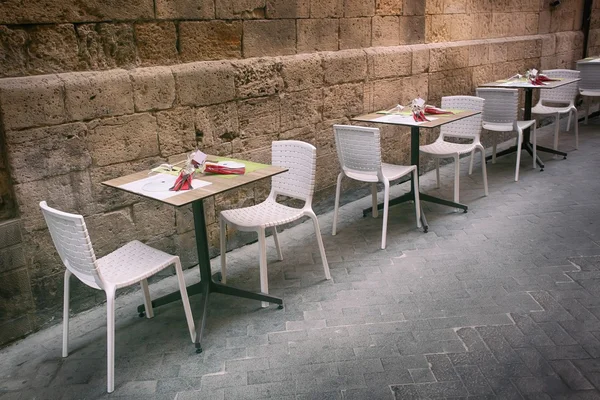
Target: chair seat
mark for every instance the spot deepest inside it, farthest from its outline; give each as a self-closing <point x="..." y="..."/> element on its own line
<point x="264" y="215"/>
<point x="443" y="148"/>
<point x="132" y="263"/>
<point x="587" y="92"/>
<point x="498" y="127"/>
<point x="390" y="171"/>
<point x="545" y="110"/>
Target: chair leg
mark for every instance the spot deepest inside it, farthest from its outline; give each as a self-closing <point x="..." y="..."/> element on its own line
<point x="185" y="300"/>
<point x="277" y="246"/>
<point x="576" y="129"/>
<point x="262" y="259"/>
<point x="437" y="172"/>
<point x="223" y="243"/>
<point x="494" y="140"/>
<point x="110" y="338"/>
<point x="386" y="206"/>
<point x="417" y="199"/>
<point x="374" y="200"/>
<point x="519" y="144"/>
<point x="534" y="145"/>
<point x="556" y="132"/>
<point x="313" y="216"/>
<point x="484" y="170"/>
<point x="147" y="299"/>
<point x="336" y="207"/>
<point x="569" y="121"/>
<point x="471" y="162"/>
<point x="456" y="178"/>
<point x="66" y="296"/>
<point x="587" y="110"/>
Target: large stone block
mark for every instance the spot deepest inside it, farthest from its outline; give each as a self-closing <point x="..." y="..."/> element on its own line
<point x="420" y="59"/>
<point x="386" y="31"/>
<point x="567" y="41"/>
<point x="14" y="50"/>
<point x="201" y="84"/>
<point x="153" y="219"/>
<point x="300" y="109"/>
<point x="388" y="7"/>
<point x="106" y="45"/>
<point x="288" y="9"/>
<point x="359" y="8"/>
<point x="210" y="40"/>
<point x="185" y="243"/>
<point x="412" y="30"/>
<point x="498" y="52"/>
<point x="32" y="101"/>
<point x="216" y="124"/>
<point x="42" y="11"/>
<point x="15" y="294"/>
<point x="240" y="9"/>
<point x="111" y="230"/>
<point x="156" y="43"/>
<point x="59" y="150"/>
<point x="269" y="38"/>
<point x="343" y="101"/>
<point x="389" y="92"/>
<point x="184" y="9"/>
<point x="519" y="50"/>
<point x="153" y="88"/>
<point x="317" y="35"/>
<point x="387" y="62"/>
<point x="259" y="116"/>
<point x="432" y="6"/>
<point x="479" y="6"/>
<point x="482" y="74"/>
<point x="501" y="24"/>
<point x="11" y="258"/>
<point x="91" y="95"/>
<point x="120" y="139"/>
<point x="414" y="7"/>
<point x="176" y="133"/>
<point x="481" y="26"/>
<point x="544" y="22"/>
<point x="301" y="72"/>
<point x="257" y="77"/>
<point x="10" y="233"/>
<point x="447" y="83"/>
<point x="479" y="54"/>
<point x="14" y="329"/>
<point x="355" y="33"/>
<point x="455" y="6"/>
<point x="52" y="48"/>
<point x="345" y="66"/>
<point x="327" y="9"/>
<point x="448" y="58"/>
<point x="548" y="45"/>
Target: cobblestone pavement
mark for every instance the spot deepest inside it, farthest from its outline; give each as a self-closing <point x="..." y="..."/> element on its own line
<point x="500" y="302"/>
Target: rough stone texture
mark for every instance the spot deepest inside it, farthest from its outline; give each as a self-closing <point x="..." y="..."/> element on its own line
<point x="184" y="9"/>
<point x="344" y="66"/>
<point x="269" y="38"/>
<point x="176" y="133"/>
<point x="210" y="40"/>
<point x="204" y="83"/>
<point x="359" y="8"/>
<point x="153" y="88"/>
<point x="386" y="63"/>
<point x="52" y="48"/>
<point x="244" y="9"/>
<point x="288" y="9"/>
<point x="412" y="29"/>
<point x="256" y="78"/>
<point x="300" y="109"/>
<point x="317" y="35"/>
<point x="216" y="124"/>
<point x="386" y="31"/>
<point x="156" y="43"/>
<point x="302" y="72"/>
<point x="327" y="9"/>
<point x="355" y="33"/>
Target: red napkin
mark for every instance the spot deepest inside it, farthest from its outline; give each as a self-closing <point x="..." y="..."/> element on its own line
<point x="183" y="182"/>
<point x="419" y="116"/>
<point x="434" y="110"/>
<point x="223" y="169"/>
<point x="544" y="78"/>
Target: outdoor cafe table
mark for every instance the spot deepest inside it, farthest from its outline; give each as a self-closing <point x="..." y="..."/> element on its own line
<point x="217" y="184"/>
<point x="528" y="87"/>
<point x="404" y="119"/>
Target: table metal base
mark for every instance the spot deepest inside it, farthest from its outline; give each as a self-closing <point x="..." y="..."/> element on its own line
<point x="529" y="148"/>
<point x="207" y="284"/>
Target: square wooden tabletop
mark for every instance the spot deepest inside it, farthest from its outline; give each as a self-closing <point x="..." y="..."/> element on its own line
<point x="522" y="83"/>
<point x="590" y="60"/>
<point x="406" y="119"/>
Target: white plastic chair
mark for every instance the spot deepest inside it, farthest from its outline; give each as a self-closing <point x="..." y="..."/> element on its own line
<point x="128" y="265"/>
<point x="589" y="85"/>
<point x="467" y="128"/>
<point x="564" y="99"/>
<point x="359" y="152"/>
<point x="298" y="183"/>
<point x="500" y="115"/>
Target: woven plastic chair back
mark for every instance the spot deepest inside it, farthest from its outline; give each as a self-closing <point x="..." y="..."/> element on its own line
<point x="358" y="149"/>
<point x="562" y="94"/>
<point x="467" y="128"/>
<point x="300" y="160"/>
<point x="590" y="76"/>
<point x="71" y="239"/>
<point x="500" y="105"/>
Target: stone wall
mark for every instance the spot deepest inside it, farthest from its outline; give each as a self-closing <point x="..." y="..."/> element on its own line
<point x="66" y="130"/>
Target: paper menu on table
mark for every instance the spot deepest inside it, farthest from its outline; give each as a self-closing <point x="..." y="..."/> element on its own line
<point x="401" y="119"/>
<point x="157" y="186"/>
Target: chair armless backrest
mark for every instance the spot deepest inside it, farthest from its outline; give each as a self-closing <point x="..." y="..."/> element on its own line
<point x="590" y="76"/>
<point x="562" y="94"/>
<point x="500" y="105"/>
<point x="300" y="159"/>
<point x="359" y="150"/>
<point x="71" y="239"/>
<point x="467" y="128"/>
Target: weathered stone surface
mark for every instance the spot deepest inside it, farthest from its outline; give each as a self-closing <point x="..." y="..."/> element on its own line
<point x="269" y="38"/>
<point x="205" y="83"/>
<point x="388" y="7"/>
<point x="479" y="6"/>
<point x="216" y="124"/>
<point x="176" y="133"/>
<point x="32" y="101"/>
<point x="447" y="83"/>
<point x="345" y="66"/>
<point x="455" y="6"/>
<point x="111" y="230"/>
<point x="186" y="248"/>
<point x="385" y="62"/>
<point x="43" y="11"/>
<point x="412" y="30"/>
<point x="386" y="31"/>
<point x="244" y="9"/>
<point x="15" y="294"/>
<point x="359" y="8"/>
<point x="105" y="45"/>
<point x="544" y="22"/>
<point x="343" y="101"/>
<point x="327" y="9"/>
<point x="317" y="35"/>
<point x="355" y="33"/>
<point x="156" y="43"/>
<point x="299" y="109"/>
<point x="184" y="9"/>
<point x="479" y="54"/>
<point x="420" y="59"/>
<point x="302" y="72"/>
<point x="52" y="48"/>
<point x="448" y="58"/>
<point x="259" y="116"/>
<point x="13" y="48"/>
<point x="210" y="40"/>
<point x="60" y="150"/>
<point x="288" y="9"/>
<point x="415" y="7"/>
<point x="388" y="92"/>
<point x="119" y="139"/>
<point x="432" y="6"/>
<point x="97" y="94"/>
<point x="256" y="78"/>
<point x="153" y="88"/>
<point x="448" y="27"/>
<point x="498" y="52"/>
<point x="482" y="74"/>
<point x="567" y="41"/>
<point x="152" y="219"/>
<point x="481" y="26"/>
